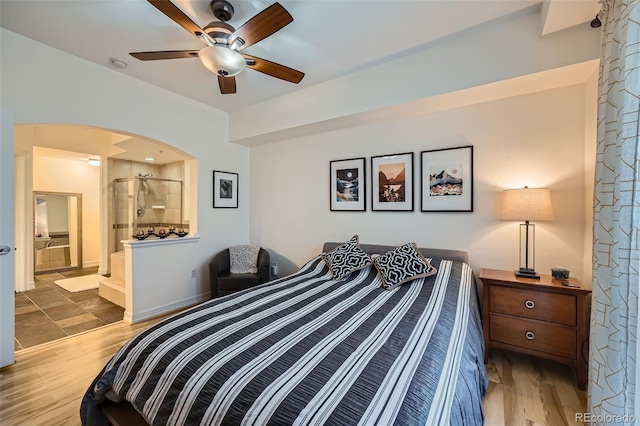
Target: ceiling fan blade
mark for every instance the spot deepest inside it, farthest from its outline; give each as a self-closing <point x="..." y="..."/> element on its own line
<point x="167" y="54"/>
<point x="176" y="15"/>
<point x="273" y="69"/>
<point x="227" y="85"/>
<point x="261" y="26"/>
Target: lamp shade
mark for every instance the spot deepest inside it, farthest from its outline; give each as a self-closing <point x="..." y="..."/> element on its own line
<point x="527" y="204"/>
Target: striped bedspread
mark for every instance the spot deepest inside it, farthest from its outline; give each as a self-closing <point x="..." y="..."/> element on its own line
<point x="307" y="350"/>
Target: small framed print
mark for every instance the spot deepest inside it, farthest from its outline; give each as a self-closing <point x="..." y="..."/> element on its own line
<point x="347" y="185"/>
<point x="225" y="189"/>
<point x="446" y="177"/>
<point x="392" y="182"/>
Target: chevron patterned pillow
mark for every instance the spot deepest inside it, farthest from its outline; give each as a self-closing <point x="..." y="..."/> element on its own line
<point x="346" y="258"/>
<point x="402" y="264"/>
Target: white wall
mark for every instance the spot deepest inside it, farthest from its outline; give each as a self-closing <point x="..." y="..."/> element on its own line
<point x="69" y="90"/>
<point x="179" y="292"/>
<point x="535" y="140"/>
<point x="65" y="175"/>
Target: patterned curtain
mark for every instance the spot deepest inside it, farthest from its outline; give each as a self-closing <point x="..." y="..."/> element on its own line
<point x="616" y="247"/>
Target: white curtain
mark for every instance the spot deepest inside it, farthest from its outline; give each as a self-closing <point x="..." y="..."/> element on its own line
<point x="616" y="248"/>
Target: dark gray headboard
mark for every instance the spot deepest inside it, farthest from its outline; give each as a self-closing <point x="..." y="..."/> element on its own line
<point x="458" y="255"/>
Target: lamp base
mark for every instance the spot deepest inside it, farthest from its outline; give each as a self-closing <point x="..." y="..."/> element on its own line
<point x="526" y="273"/>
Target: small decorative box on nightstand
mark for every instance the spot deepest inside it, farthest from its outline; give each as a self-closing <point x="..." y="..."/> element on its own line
<point x="539" y="317"/>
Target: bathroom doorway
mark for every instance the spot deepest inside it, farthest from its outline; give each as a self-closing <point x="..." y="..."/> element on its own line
<point x="83" y="160"/>
<point x="65" y="238"/>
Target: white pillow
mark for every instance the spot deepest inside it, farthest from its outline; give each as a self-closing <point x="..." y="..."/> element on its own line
<point x="243" y="259"/>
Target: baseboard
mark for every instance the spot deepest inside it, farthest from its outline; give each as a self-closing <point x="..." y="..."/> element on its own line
<point x="91" y="264"/>
<point x="159" y="311"/>
<point x="31" y="285"/>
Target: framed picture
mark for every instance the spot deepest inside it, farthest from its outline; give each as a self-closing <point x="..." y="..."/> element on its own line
<point x="347" y="183"/>
<point x="446" y="177"/>
<point x="225" y="190"/>
<point x="392" y="182"/>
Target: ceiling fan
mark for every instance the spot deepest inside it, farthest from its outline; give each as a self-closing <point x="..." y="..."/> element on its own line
<point x="223" y="42"/>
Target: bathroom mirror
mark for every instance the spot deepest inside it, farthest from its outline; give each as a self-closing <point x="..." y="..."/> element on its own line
<point x="57" y="231"/>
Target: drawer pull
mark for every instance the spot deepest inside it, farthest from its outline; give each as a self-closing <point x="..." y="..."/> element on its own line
<point x="529" y="304"/>
<point x="529" y="335"/>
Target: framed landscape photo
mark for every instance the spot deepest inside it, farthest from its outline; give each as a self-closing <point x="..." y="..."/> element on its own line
<point x="347" y="185"/>
<point x="225" y="190"/>
<point x="392" y="182"/>
<point x="446" y="177"/>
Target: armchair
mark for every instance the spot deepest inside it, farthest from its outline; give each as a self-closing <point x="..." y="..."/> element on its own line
<point x="223" y="282"/>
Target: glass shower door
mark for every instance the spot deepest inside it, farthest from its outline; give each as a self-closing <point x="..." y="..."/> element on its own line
<point x="125" y="211"/>
<point x="146" y="205"/>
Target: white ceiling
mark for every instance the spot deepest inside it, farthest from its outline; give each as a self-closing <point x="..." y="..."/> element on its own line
<point x="327" y="39"/>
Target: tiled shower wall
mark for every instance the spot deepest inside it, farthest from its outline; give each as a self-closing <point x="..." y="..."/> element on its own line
<point x="158" y="196"/>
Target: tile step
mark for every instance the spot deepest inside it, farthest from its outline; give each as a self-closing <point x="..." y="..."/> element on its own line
<point x="112" y="290"/>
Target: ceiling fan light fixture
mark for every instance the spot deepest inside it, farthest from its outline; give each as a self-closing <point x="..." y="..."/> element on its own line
<point x="219" y="31"/>
<point x="236" y="43"/>
<point x="221" y="60"/>
<point x="221" y="57"/>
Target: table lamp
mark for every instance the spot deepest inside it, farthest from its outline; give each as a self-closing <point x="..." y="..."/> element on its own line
<point x="527" y="204"/>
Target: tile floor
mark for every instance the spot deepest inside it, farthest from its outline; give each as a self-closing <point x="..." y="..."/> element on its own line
<point x="49" y="312"/>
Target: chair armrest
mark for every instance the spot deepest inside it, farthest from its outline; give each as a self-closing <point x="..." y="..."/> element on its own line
<point x="264" y="260"/>
<point x="219" y="265"/>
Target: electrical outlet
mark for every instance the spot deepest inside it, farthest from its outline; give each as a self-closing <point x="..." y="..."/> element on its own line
<point x="193" y="273"/>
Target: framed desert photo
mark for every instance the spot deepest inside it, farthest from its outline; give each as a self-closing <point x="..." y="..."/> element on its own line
<point x="225" y="190"/>
<point x="446" y="177"/>
<point x="347" y="185"/>
<point x="392" y="182"/>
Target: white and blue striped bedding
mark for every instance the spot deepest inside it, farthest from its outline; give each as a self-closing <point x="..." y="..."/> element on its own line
<point x="307" y="350"/>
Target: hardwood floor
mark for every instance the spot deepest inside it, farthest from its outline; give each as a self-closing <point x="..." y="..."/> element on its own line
<point x="47" y="382"/>
<point x="525" y="390"/>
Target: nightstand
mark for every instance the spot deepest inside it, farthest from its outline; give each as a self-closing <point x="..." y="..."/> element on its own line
<point x="539" y="317"/>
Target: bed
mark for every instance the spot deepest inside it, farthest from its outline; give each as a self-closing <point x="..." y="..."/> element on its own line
<point x="309" y="349"/>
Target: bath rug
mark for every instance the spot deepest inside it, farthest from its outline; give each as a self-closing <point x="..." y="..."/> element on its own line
<point x="75" y="284"/>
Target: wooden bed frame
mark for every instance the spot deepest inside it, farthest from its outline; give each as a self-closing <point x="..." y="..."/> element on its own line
<point x="122" y="414"/>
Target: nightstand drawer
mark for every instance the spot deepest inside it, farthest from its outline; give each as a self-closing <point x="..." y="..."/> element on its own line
<point x="534" y="335"/>
<point x="551" y="307"/>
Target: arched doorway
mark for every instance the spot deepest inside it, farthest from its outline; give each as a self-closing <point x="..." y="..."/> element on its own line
<point x="54" y="158"/>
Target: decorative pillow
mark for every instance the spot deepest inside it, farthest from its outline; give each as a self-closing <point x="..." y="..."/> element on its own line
<point x="243" y="259"/>
<point x="346" y="258"/>
<point x="402" y="264"/>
